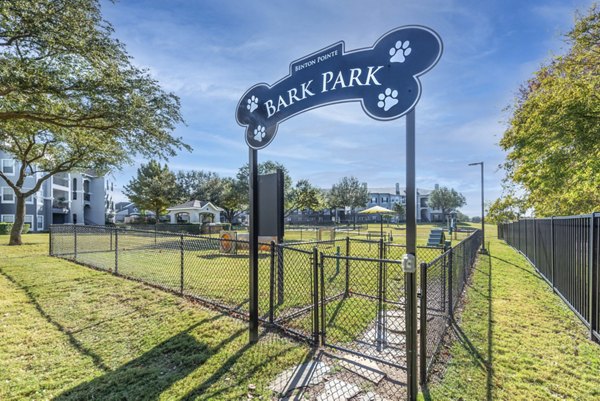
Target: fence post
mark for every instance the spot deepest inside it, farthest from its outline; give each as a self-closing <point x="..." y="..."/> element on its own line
<point x="50" y="250"/>
<point x="423" y="326"/>
<point x="450" y="283"/>
<point x="181" y="264"/>
<point x="337" y="260"/>
<point x="111" y="239"/>
<point x="552" y="252"/>
<point x="322" y="293"/>
<point x="272" y="283"/>
<point x="74" y="242"/>
<point x="592" y="287"/>
<point x="447" y="246"/>
<point x="315" y="264"/>
<point x="347" y="290"/>
<point x="535" y="244"/>
<point x="116" y="251"/>
<point x="280" y="276"/>
<point x="380" y="328"/>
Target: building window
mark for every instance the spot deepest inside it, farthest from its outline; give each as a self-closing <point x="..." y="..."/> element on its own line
<point x="384" y="199"/>
<point x="8" y="166"/>
<point x="74" y="189"/>
<point x="40" y="222"/>
<point x="29" y="200"/>
<point x="7" y="218"/>
<point x="374" y="199"/>
<point x="29" y="220"/>
<point x="8" y="196"/>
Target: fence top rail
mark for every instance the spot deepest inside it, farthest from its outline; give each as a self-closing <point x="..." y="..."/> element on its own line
<point x="323" y="241"/>
<point x="359" y="258"/>
<point x="147" y="232"/>
<point x="291" y="248"/>
<point x="394" y="245"/>
<point x="555" y="218"/>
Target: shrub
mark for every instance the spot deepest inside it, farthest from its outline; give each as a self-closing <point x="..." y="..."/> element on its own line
<point x="6" y="227"/>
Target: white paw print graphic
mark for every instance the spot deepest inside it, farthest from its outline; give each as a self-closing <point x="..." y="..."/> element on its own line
<point x="388" y="99"/>
<point x="400" y="52"/>
<point x="259" y="133"/>
<point x="252" y="103"/>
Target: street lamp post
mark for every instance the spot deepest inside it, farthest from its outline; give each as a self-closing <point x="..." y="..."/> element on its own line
<point x="483" y="250"/>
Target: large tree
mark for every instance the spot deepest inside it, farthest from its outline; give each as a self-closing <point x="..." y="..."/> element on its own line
<point x="446" y="200"/>
<point x="552" y="137"/>
<point x="70" y="98"/>
<point x="349" y="192"/>
<point x="303" y="196"/>
<point x="200" y="185"/>
<point x="233" y="199"/>
<point x="267" y="167"/>
<point x="505" y="209"/>
<point x="154" y="188"/>
<point x="400" y="210"/>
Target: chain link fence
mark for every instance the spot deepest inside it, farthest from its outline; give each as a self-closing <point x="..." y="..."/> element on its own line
<point x="442" y="282"/>
<point x="345" y="293"/>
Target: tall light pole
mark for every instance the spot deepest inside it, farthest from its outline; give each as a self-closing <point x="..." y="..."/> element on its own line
<point x="483" y="250"/>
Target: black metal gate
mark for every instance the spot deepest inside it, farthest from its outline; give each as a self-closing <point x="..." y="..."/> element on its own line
<point x="363" y="307"/>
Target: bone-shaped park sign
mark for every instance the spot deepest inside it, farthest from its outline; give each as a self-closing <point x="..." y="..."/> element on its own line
<point x="383" y="78"/>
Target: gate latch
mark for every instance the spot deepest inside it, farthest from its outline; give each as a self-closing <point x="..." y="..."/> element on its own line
<point x="409" y="264"/>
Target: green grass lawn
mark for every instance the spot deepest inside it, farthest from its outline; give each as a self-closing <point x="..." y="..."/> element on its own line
<point x="515" y="340"/>
<point x="69" y="332"/>
<point x="398" y="233"/>
<point x="72" y="333"/>
<point x="223" y="278"/>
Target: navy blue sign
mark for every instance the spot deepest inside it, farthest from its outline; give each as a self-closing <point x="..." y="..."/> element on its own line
<point x="383" y="78"/>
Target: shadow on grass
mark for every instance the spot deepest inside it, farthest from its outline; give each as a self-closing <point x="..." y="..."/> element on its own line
<point x="82" y="349"/>
<point x="533" y="273"/>
<point x="484" y="359"/>
<point x="148" y="376"/>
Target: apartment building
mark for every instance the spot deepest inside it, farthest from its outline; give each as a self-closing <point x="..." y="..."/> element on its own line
<point x="66" y="198"/>
<point x="384" y="197"/>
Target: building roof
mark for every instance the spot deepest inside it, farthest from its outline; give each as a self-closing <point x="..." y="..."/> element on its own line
<point x="188" y="204"/>
<point x="194" y="204"/>
<point x="392" y="191"/>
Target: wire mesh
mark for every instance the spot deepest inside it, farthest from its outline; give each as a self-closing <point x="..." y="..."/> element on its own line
<point x="62" y="242"/>
<point x="363" y="311"/>
<point x="293" y="290"/>
<point x="441" y="290"/>
<point x="347" y="292"/>
<point x="95" y="246"/>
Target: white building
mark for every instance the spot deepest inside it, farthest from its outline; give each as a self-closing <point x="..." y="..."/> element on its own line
<point x="387" y="197"/>
<point x="74" y="198"/>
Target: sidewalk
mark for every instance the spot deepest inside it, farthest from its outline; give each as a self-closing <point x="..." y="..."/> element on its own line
<point x="515" y="339"/>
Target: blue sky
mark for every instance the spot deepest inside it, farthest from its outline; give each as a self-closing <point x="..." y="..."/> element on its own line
<point x="210" y="52"/>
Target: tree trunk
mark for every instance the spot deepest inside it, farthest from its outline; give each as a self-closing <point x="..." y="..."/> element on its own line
<point x="17" y="228"/>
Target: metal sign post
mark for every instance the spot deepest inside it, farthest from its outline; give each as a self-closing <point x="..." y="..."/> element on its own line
<point x="410" y="274"/>
<point x="253" y="244"/>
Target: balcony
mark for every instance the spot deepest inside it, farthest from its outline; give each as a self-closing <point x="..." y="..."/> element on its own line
<point x="60" y="180"/>
<point x="87" y="196"/>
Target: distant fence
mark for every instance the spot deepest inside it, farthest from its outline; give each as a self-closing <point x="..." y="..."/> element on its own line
<point x="566" y="252"/>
